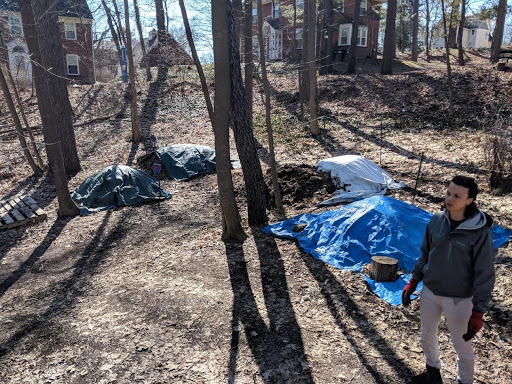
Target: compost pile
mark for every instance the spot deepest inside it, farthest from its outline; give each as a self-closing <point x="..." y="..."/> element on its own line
<point x="300" y="185"/>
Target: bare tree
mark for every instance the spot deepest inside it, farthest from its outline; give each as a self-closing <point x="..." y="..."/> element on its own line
<point x="415" y="27"/>
<point x="447" y="28"/>
<point x="461" y="31"/>
<point x="136" y="135"/>
<point x="310" y="26"/>
<point x="326" y="41"/>
<point x="113" y="33"/>
<point x="50" y="57"/>
<point x="498" y="31"/>
<point x="351" y="68"/>
<point x="388" y="53"/>
<point x="270" y="135"/>
<point x="120" y="29"/>
<point x="5" y="62"/>
<point x="197" y="63"/>
<point x="231" y="227"/>
<point x="43" y="42"/>
<point x="243" y="132"/>
<point x="248" y="54"/>
<point x="141" y="38"/>
<point x="17" y="124"/>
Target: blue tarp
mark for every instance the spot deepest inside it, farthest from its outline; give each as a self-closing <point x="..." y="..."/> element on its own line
<point x="117" y="185"/>
<point x="348" y="237"/>
<point x="184" y="161"/>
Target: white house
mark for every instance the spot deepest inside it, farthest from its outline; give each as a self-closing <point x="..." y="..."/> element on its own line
<point x="476" y="34"/>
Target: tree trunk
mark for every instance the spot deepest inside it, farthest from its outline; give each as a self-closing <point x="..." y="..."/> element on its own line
<point x="244" y="138"/>
<point x="113" y="32"/>
<point x="427" y="29"/>
<point x="353" y="40"/>
<point x="326" y="39"/>
<point x="415" y="26"/>
<point x="141" y="38"/>
<point x="304" y="59"/>
<point x="402" y="39"/>
<point x="389" y="39"/>
<point x="5" y="61"/>
<point x="136" y="135"/>
<point x="384" y="268"/>
<point x="248" y="55"/>
<point x="119" y="23"/>
<point x="49" y="55"/>
<point x="311" y="26"/>
<point x="160" y="20"/>
<point x="448" y="64"/>
<point x="231" y="227"/>
<point x="38" y="40"/>
<point x="330" y="35"/>
<point x="461" y="32"/>
<point x="197" y="63"/>
<point x="17" y="123"/>
<point x="498" y="31"/>
<point x="270" y="135"/>
<point x="238" y="16"/>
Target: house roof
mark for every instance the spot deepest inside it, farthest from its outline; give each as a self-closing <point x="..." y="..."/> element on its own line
<point x="69" y="8"/>
<point x="472" y="23"/>
<point x="274" y="23"/>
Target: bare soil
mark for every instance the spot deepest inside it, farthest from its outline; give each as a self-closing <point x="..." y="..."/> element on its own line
<point x="150" y="294"/>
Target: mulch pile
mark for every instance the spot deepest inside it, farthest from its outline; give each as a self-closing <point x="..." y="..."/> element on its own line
<point x="300" y="185"/>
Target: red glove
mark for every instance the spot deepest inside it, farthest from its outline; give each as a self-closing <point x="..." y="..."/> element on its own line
<point x="408" y="291"/>
<point x="474" y="325"/>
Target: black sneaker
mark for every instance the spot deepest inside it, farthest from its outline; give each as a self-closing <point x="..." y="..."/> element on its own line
<point x="431" y="376"/>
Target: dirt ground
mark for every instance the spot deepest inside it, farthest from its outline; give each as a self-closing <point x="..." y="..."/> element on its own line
<point x="149" y="294"/>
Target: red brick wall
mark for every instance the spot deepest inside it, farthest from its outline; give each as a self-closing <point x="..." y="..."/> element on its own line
<point x="82" y="47"/>
<point x="370" y="20"/>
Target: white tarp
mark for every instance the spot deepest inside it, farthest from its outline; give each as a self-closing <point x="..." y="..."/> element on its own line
<point x="356" y="177"/>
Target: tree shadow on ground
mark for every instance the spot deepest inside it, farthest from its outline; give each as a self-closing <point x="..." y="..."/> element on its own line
<point x="65" y="292"/>
<point x="341" y="305"/>
<point x="150" y="108"/>
<point x="91" y="99"/>
<point x="101" y="140"/>
<point x="402" y="151"/>
<point x="277" y="349"/>
<point x="41" y="198"/>
<point x="30" y="262"/>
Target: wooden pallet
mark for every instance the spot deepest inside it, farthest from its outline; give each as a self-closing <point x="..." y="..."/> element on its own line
<point x="19" y="211"/>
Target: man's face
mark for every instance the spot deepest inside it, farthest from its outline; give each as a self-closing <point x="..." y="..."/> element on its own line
<point x="456" y="198"/>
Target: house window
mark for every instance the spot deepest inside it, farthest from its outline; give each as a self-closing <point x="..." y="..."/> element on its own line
<point x="362" y="34"/>
<point x="15" y="26"/>
<point x="364" y="8"/>
<point x="254" y="15"/>
<point x="345" y="33"/>
<point x="70" y="31"/>
<point x="299" y="40"/>
<point x="72" y="64"/>
<point x="275" y="12"/>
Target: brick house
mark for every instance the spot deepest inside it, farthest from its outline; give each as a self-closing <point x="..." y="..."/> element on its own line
<point x="278" y="28"/>
<point x="75" y="26"/>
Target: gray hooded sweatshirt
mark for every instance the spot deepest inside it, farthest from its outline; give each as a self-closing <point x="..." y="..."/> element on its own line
<point x="458" y="263"/>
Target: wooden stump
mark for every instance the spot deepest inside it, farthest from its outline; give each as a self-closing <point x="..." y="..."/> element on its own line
<point x="384" y="268"/>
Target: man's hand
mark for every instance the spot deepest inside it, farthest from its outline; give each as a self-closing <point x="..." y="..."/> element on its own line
<point x="408" y="291"/>
<point x="474" y="325"/>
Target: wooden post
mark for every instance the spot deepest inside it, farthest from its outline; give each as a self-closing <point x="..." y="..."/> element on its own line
<point x="384" y="268"/>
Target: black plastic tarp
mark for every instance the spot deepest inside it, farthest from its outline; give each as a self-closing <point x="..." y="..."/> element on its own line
<point x="117" y="185"/>
<point x="184" y="161"/>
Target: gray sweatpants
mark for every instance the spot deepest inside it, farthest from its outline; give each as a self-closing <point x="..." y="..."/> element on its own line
<point x="457" y="312"/>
